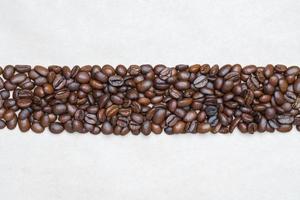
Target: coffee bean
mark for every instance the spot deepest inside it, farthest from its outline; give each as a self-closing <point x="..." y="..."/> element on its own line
<point x="59" y="109"/>
<point x="37" y="128"/>
<point x="294" y="70"/>
<point x="144" y="86"/>
<point x="232" y="76"/>
<point x="18" y="78"/>
<point x="279" y="98"/>
<point x="248" y="96"/>
<point x="59" y="82"/>
<point x="182" y="85"/>
<point x="223" y="119"/>
<point x="190" y="116"/>
<point x="116" y="81"/>
<point x="56" y="128"/>
<point x="159" y="116"/>
<point x="24" y="124"/>
<point x="8" y="72"/>
<point x="112" y="111"/>
<point x="82" y="77"/>
<point x="224" y="70"/>
<point x="285" y="119"/>
<point x="200" y="81"/>
<point x="138" y="118"/>
<point x="250" y="69"/>
<point x="43" y="71"/>
<point x="90" y="119"/>
<point x="213" y="120"/>
<point x="22" y="68"/>
<point x="24" y="103"/>
<point x="173" y="119"/>
<point x="203" y="128"/>
<point x="178" y="127"/>
<point x="247" y="118"/>
<point x="283" y="85"/>
<point x="280" y="68"/>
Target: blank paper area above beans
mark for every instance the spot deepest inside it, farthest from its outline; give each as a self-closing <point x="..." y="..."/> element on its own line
<point x="144" y="99"/>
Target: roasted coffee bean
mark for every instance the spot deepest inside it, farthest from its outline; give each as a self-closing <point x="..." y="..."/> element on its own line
<point x="8" y="72"/>
<point x="24" y="124"/>
<point x="211" y="110"/>
<point x="232" y="76"/>
<point x="213" y="120"/>
<point x="90" y="119"/>
<point x="224" y="70"/>
<point x="56" y="128"/>
<point x="179" y="127"/>
<point x="82" y="77"/>
<point x="24" y="103"/>
<point x="59" y="109"/>
<point x="159" y="116"/>
<point x="22" y="68"/>
<point x="18" y="78"/>
<point x="43" y="71"/>
<point x="112" y="111"/>
<point x="145" y="85"/>
<point x="200" y="81"/>
<point x="173" y="119"/>
<point x="285" y="119"/>
<point x="190" y="116"/>
<point x="203" y="128"/>
<point x="138" y="118"/>
<point x="116" y="81"/>
<point x="59" y="82"/>
<point x="248" y="96"/>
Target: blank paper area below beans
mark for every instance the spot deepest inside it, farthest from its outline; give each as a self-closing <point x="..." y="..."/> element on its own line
<point x="145" y="99"/>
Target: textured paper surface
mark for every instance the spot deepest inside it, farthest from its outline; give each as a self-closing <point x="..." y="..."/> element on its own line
<point x="207" y="167"/>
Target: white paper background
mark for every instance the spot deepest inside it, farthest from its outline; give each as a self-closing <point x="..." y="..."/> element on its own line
<point x="260" y="166"/>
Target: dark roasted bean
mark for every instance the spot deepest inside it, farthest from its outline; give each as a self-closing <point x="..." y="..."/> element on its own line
<point x="82" y="77"/>
<point x="116" y="81"/>
<point x="56" y="128"/>
<point x="200" y="81"/>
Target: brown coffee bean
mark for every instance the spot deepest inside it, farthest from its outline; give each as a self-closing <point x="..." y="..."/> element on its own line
<point x="24" y="124"/>
<point x="59" y="109"/>
<point x="41" y="70"/>
<point x="250" y="69"/>
<point x="279" y="98"/>
<point x="116" y="81"/>
<point x="159" y="116"/>
<point x="270" y="113"/>
<point x="18" y="78"/>
<point x="283" y="85"/>
<point x="203" y="128"/>
<point x="82" y="77"/>
<point x="190" y="116"/>
<point x="22" y="68"/>
<point x="182" y="85"/>
<point x="112" y="111"/>
<point x="56" y="128"/>
<point x="8" y="72"/>
<point x="144" y="85"/>
<point x="24" y="103"/>
<point x="224" y="70"/>
<point x="178" y="127"/>
<point x="200" y="81"/>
